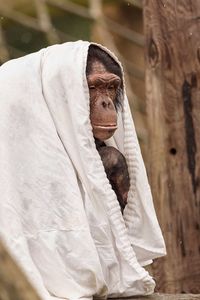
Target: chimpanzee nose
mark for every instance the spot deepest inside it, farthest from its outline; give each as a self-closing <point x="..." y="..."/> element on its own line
<point x="107" y="103"/>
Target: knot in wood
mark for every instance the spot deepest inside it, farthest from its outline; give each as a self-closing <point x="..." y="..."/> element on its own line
<point x="198" y="54"/>
<point x="153" y="53"/>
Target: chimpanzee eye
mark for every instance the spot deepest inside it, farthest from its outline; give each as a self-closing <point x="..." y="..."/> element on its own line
<point x="92" y="87"/>
<point x="111" y="87"/>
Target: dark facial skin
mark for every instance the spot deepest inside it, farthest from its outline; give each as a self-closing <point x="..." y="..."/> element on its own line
<point x="103" y="87"/>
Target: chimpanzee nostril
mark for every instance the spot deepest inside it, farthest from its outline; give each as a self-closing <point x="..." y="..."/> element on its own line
<point x="104" y="104"/>
<point x="107" y="104"/>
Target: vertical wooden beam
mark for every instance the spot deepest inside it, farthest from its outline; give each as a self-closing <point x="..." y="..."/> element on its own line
<point x="4" y="53"/>
<point x="172" y="30"/>
<point x="45" y="23"/>
<point x="13" y="283"/>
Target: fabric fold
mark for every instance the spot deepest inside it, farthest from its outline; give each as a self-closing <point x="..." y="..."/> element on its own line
<point x="57" y="202"/>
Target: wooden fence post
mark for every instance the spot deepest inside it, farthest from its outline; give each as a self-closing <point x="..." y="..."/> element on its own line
<point x="172" y="30"/>
<point x="13" y="283"/>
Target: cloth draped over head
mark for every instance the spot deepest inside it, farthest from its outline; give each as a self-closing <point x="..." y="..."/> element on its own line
<point x="59" y="216"/>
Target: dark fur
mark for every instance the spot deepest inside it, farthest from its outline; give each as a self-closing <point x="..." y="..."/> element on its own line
<point x="113" y="161"/>
<point x="117" y="172"/>
<point x="97" y="54"/>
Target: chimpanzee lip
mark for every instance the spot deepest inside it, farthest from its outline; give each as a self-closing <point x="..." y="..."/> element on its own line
<point x="106" y="127"/>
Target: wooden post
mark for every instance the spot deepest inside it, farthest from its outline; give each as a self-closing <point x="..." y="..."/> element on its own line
<point x="13" y="283"/>
<point x="172" y="30"/>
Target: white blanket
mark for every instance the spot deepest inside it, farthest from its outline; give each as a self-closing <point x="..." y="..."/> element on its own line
<point x="59" y="216"/>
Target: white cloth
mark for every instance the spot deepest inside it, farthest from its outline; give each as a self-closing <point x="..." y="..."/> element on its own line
<point x="59" y="216"/>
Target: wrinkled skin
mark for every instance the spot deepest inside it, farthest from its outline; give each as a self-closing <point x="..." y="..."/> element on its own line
<point x="103" y="89"/>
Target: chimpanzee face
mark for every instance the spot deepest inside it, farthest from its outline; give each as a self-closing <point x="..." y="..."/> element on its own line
<point x="103" y="89"/>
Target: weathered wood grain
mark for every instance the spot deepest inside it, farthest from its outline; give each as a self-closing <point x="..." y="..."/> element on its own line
<point x="172" y="31"/>
<point x="13" y="283"/>
<point x="158" y="296"/>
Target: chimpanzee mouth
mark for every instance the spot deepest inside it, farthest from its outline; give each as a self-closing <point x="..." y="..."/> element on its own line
<point x="105" y="127"/>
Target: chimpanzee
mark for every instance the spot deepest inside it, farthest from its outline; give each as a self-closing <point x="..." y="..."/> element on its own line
<point x="117" y="172"/>
<point x="104" y="77"/>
